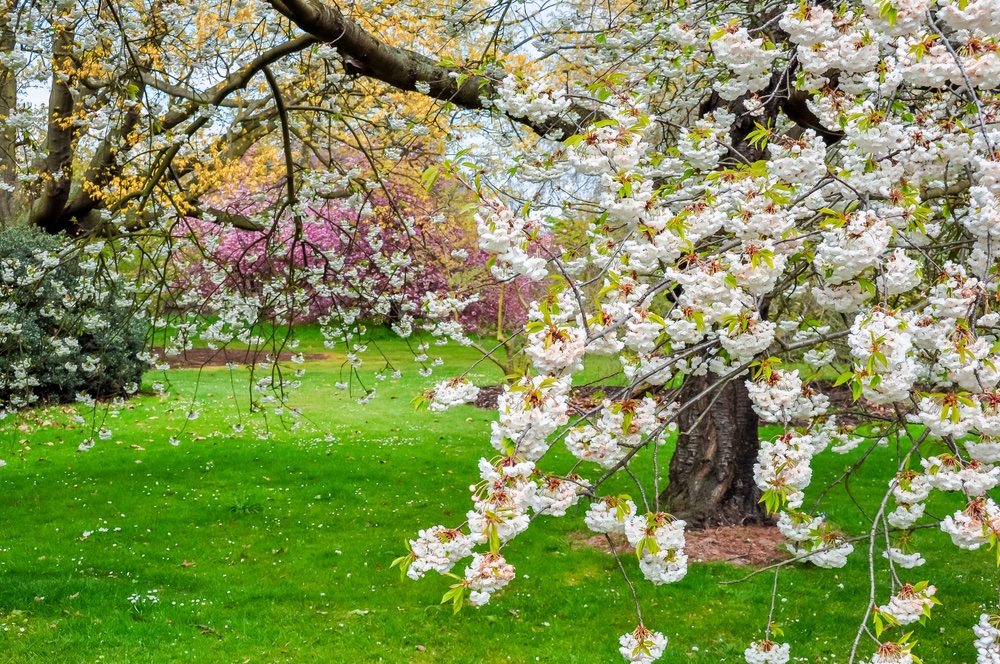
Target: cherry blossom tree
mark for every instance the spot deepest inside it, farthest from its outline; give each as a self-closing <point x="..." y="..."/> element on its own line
<point x="769" y="194"/>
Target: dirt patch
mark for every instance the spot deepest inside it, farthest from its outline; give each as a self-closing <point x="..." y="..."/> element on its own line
<point x="206" y="357"/>
<point x="736" y="545"/>
<point x="580" y="539"/>
<point x="487" y="397"/>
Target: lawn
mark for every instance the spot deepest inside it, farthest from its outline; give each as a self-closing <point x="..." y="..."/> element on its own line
<point x="275" y="545"/>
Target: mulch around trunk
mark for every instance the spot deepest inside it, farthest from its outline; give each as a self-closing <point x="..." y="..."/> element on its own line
<point x="737" y="545"/>
<point x="206" y="357"/>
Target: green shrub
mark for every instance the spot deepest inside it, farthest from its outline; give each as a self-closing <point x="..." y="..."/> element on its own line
<point x="68" y="324"/>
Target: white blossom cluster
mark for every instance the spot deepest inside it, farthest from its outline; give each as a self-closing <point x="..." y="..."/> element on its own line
<point x="556" y="495"/>
<point x="454" y="392"/>
<point x="530" y="411"/>
<point x="749" y="60"/>
<point x="438" y="549"/>
<point x="783" y="468"/>
<point x="972" y="527"/>
<point x="536" y="100"/>
<point x="486" y="574"/>
<point x="509" y="236"/>
<point x="642" y="646"/>
<point x="622" y="426"/>
<point x="608" y="515"/>
<point x="659" y="540"/>
<point x="767" y="652"/>
<point x="781" y="398"/>
<point x="987" y="640"/>
<point x="911" y="603"/>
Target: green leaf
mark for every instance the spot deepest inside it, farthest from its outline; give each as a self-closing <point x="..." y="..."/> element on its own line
<point x="843" y="378"/>
<point x="494" y="539"/>
<point x="430" y="176"/>
<point x="761" y="135"/>
<point x="889" y="13"/>
<point x="456" y="596"/>
<point x="403" y="562"/>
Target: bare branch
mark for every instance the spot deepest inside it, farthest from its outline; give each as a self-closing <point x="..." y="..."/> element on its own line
<point x="237" y="80"/>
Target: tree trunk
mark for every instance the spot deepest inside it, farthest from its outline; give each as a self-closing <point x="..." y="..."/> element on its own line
<point x="55" y="183"/>
<point x="711" y="471"/>
<point x="8" y="135"/>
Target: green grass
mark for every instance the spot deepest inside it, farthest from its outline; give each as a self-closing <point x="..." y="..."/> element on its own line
<point x="275" y="545"/>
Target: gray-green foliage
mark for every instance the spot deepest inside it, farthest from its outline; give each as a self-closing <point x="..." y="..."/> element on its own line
<point x="67" y="323"/>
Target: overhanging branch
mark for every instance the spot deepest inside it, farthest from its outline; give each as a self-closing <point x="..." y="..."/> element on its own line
<point x="404" y="69"/>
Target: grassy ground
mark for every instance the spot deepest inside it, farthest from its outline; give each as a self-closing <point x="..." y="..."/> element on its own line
<point x="276" y="548"/>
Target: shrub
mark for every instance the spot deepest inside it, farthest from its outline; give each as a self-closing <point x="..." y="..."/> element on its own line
<point x="68" y="324"/>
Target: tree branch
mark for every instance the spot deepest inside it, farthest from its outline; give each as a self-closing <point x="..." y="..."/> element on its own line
<point x="8" y="136"/>
<point x="286" y="139"/>
<point x="205" y="213"/>
<point x="102" y="169"/>
<point x="182" y="92"/>
<point x="215" y="95"/>
<point x="403" y="69"/>
<point x="237" y="80"/>
<point x="58" y="168"/>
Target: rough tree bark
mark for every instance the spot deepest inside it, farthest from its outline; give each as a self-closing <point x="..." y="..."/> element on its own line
<point x="711" y="471"/>
<point x="8" y="103"/>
